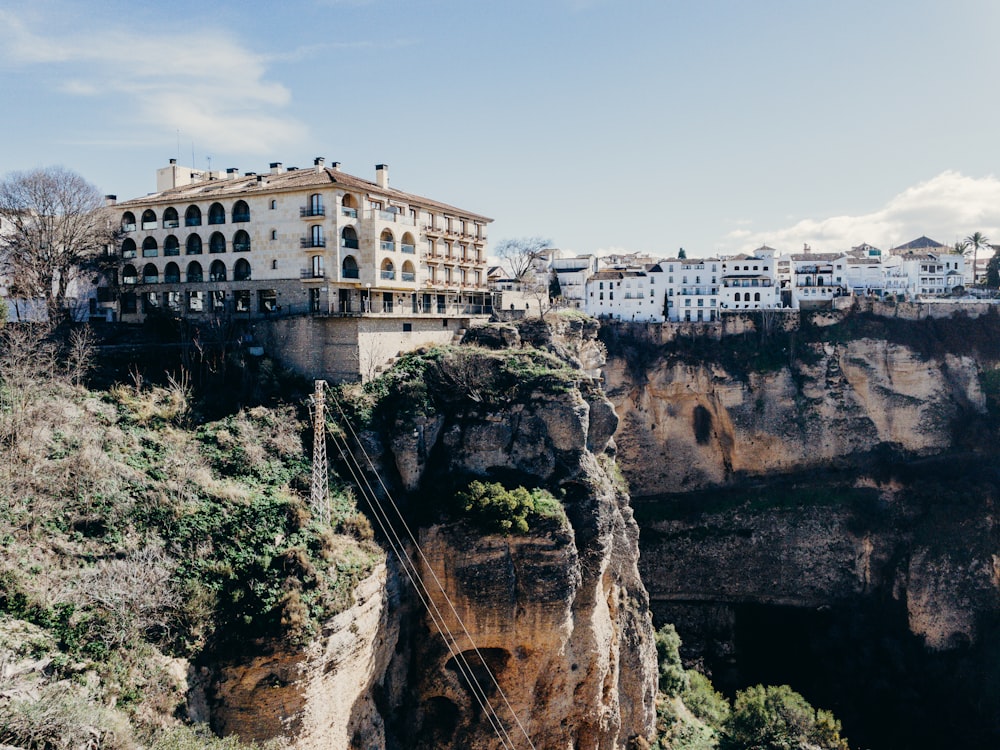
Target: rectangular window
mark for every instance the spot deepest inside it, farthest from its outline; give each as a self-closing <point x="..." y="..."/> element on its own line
<point x="241" y="300"/>
<point x="407" y="327"/>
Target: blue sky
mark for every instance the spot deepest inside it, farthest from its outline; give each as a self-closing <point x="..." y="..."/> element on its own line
<point x="635" y="125"/>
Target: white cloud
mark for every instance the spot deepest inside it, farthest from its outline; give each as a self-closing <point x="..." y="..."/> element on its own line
<point x="947" y="207"/>
<point x="205" y="84"/>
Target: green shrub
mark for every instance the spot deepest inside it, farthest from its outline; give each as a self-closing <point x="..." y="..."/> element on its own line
<point x="673" y="678"/>
<point x="496" y="509"/>
<point x="778" y="718"/>
<point x="705" y="701"/>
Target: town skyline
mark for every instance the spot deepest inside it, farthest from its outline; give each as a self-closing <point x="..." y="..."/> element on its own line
<point x="638" y="127"/>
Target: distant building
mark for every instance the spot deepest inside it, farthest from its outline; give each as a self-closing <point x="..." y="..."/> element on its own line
<point x="749" y="281"/>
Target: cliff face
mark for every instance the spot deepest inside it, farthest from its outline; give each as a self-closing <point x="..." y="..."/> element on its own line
<point x="557" y="616"/>
<point x="685" y="426"/>
<point x="823" y="513"/>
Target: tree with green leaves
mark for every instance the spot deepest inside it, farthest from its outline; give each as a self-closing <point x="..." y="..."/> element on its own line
<point x="682" y="254"/>
<point x="993" y="272"/>
<point x="778" y="718"/>
<point x="972" y="245"/>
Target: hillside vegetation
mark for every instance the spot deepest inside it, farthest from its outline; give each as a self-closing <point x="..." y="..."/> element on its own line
<point x="139" y="543"/>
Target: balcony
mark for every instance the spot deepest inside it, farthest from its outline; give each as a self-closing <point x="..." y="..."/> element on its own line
<point x="240" y="218"/>
<point x="307" y="212"/>
<point x="386" y="246"/>
<point x="350" y="213"/>
<point x="349" y="243"/>
<point x="310" y="273"/>
<point x="388" y="275"/>
<point x="171" y="223"/>
<point x="147" y="225"/>
<point x="128" y="254"/>
<point x="407" y="276"/>
<point x="408" y="249"/>
<point x="351" y="273"/>
<point x="394" y="216"/>
<point x="192" y="221"/>
<point x="312" y="242"/>
<point x="128" y="227"/>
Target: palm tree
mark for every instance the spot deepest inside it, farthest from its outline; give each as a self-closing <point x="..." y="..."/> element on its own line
<point x="975" y="242"/>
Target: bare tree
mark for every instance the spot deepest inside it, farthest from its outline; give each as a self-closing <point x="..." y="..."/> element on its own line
<point x="522" y="256"/>
<point x="55" y="227"/>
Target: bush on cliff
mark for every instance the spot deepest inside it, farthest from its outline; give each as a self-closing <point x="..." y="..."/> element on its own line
<point x="495" y="509"/>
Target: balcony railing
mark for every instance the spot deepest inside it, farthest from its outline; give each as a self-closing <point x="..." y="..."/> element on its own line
<point x="307" y="211"/>
<point x="313" y="242"/>
<point x="406" y="276"/>
<point x="241" y="247"/>
<point x="147" y="225"/>
<point x="387" y="246"/>
<point x="192" y="221"/>
<point x="128" y="254"/>
<point x="393" y="216"/>
<point x="128" y="227"/>
<point x="351" y="213"/>
<point x="240" y="218"/>
<point x="151" y="279"/>
<point x="389" y="275"/>
<point x="349" y="243"/>
<point x="171" y="223"/>
<point x="351" y="273"/>
<point x="312" y="273"/>
<point x="408" y="249"/>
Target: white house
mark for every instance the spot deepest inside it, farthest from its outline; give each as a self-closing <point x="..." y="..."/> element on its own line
<point x="749" y="282"/>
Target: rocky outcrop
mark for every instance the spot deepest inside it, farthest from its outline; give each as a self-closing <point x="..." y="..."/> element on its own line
<point x="687" y="425"/>
<point x="549" y="629"/>
<point x="316" y="697"/>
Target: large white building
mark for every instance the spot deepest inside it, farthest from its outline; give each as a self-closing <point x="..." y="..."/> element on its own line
<point x="298" y="240"/>
<point x="626" y="294"/>
<point x="749" y="282"/>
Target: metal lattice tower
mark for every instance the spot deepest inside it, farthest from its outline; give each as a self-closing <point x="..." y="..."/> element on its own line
<point x="319" y="498"/>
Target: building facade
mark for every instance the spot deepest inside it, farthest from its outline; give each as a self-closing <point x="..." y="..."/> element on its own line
<point x="313" y="240"/>
<point x="749" y="282"/>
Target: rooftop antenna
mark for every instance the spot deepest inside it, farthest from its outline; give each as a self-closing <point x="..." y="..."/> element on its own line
<point x="178" y="145"/>
<point x="209" y="158"/>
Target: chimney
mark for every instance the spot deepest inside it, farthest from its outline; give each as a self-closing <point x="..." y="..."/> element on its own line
<point x="318" y="162"/>
<point x="110" y="200"/>
<point x="335" y="166"/>
<point x="173" y="161"/>
<point x="382" y="175"/>
<point x="277" y="167"/>
<point x="232" y="173"/>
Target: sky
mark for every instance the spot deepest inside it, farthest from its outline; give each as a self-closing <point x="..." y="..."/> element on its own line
<point x="601" y="125"/>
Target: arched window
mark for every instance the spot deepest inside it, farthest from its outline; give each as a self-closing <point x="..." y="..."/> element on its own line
<point x="756" y="297"/>
<point x="241" y="211"/>
<point x="129" y="274"/>
<point x="736" y="297"/>
<point x="315" y="207"/>
<point x="128" y="248"/>
<point x="217" y="271"/>
<point x="193" y="245"/>
<point x="149" y="248"/>
<point x="274" y="204"/>
<point x="349" y="207"/>
<point x="349" y="238"/>
<point x="171" y="246"/>
<point x="241" y="271"/>
<point x="128" y="222"/>
<point x="192" y="217"/>
<point x="274" y="234"/>
<point x="217" y="243"/>
<point x="407" y="245"/>
<point x="170" y="218"/>
<point x="194" y="272"/>
<point x="171" y="274"/>
<point x="386" y="241"/>
<point x="388" y="270"/>
<point x="216" y="214"/>
<point x="149" y="219"/>
<point x="350" y="268"/>
<point x="408" y="273"/>
<point x="150" y="275"/>
<point x="241" y="242"/>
